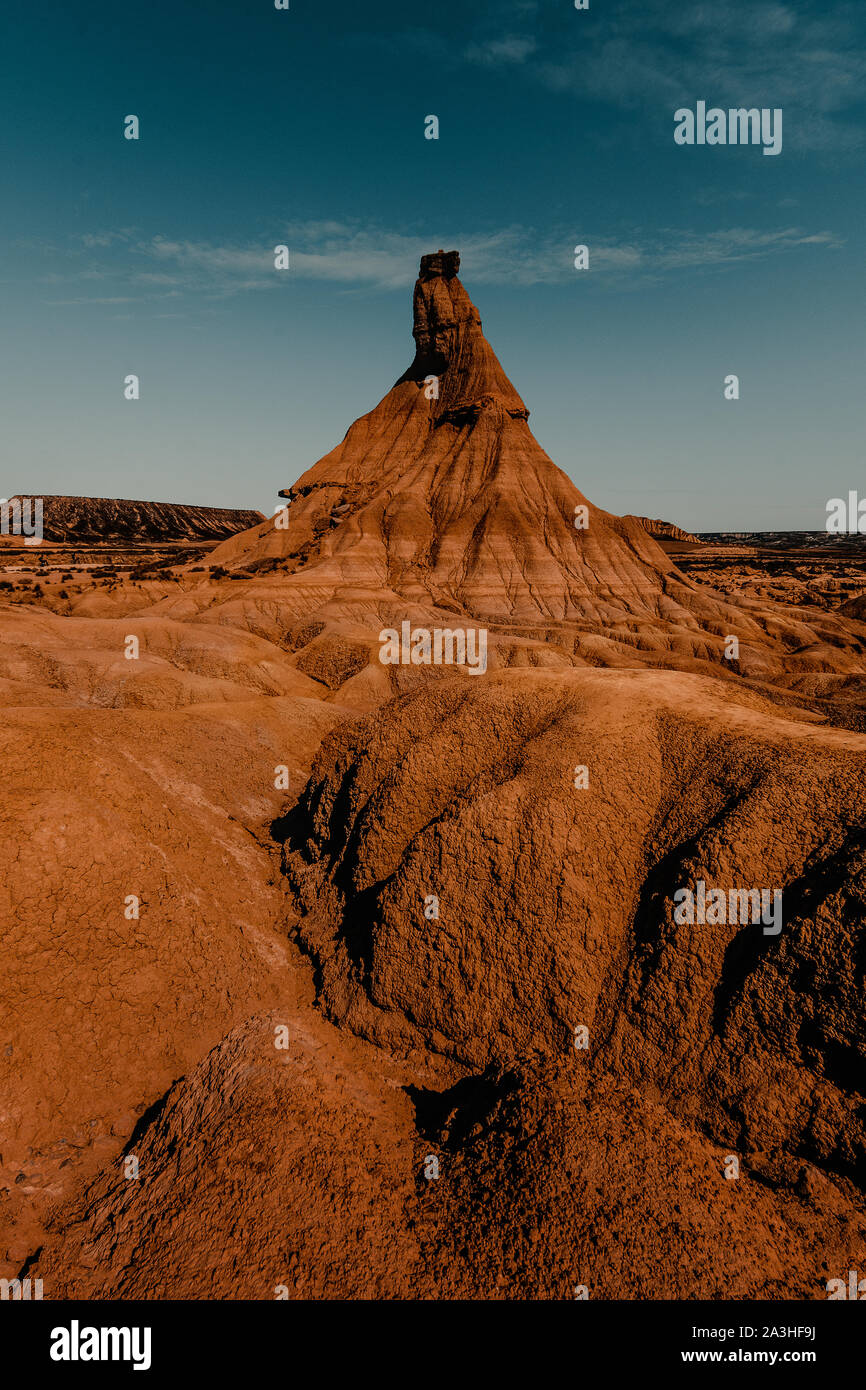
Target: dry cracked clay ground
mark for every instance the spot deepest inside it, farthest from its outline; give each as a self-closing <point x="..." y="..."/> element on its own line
<point x="326" y="977"/>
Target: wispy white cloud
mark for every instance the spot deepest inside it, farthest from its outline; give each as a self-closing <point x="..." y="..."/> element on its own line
<point x="90" y="240"/>
<point x="359" y="257"/>
<point x="686" y="250"/>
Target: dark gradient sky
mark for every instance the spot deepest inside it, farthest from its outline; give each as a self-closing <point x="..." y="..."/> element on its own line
<point x="306" y="127"/>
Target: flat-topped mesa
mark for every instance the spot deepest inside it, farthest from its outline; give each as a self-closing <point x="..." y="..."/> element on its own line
<point x="450" y="345"/>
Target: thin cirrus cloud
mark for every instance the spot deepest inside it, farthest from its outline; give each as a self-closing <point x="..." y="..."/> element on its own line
<point x="370" y="258"/>
<point x="359" y="258"/>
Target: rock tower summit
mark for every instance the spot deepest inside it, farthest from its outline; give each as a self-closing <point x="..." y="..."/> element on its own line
<point x="444" y="263"/>
<point x="450" y="345"/>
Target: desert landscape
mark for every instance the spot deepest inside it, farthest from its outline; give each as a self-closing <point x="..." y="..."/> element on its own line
<point x="334" y="974"/>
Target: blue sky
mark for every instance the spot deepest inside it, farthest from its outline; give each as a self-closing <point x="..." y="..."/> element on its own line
<point x="306" y="127"/>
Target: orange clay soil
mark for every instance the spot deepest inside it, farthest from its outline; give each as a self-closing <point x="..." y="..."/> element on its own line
<point x="333" y="1055"/>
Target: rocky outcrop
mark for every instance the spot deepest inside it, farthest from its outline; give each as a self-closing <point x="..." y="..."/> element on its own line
<point x="666" y="530"/>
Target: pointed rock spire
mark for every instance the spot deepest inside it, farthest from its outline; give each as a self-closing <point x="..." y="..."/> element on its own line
<point x="451" y="346"/>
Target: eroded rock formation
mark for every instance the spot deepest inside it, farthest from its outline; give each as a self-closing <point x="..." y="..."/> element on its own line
<point x="408" y="1010"/>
